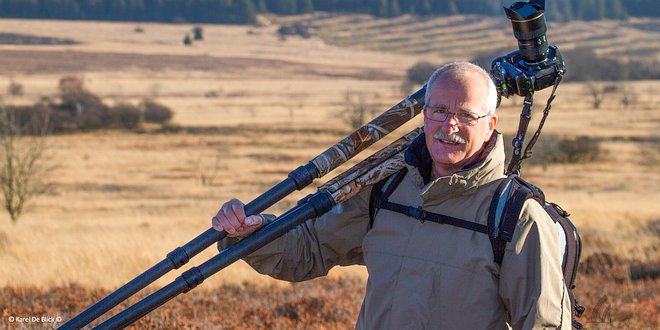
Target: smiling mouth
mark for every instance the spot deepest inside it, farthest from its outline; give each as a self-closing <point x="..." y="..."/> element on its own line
<point x="450" y="142"/>
<point x="452" y="139"/>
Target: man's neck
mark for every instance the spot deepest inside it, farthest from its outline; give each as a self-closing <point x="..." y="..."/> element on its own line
<point x="437" y="172"/>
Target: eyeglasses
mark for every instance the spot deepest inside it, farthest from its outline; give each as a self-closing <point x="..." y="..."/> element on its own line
<point x="441" y="114"/>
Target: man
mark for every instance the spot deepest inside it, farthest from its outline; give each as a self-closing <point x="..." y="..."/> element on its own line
<point x="429" y="275"/>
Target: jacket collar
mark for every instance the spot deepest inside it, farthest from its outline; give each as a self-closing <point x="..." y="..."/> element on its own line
<point x="489" y="167"/>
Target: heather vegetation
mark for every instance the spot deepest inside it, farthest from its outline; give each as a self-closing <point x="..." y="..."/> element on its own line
<point x="614" y="302"/>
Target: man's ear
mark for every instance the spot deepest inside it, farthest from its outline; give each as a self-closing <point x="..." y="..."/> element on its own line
<point x="492" y="122"/>
<point x="424" y="118"/>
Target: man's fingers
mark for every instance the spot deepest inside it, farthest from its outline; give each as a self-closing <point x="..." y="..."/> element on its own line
<point x="221" y="224"/>
<point x="234" y="216"/>
<point x="215" y="223"/>
<point x="237" y="207"/>
<point x="232" y="220"/>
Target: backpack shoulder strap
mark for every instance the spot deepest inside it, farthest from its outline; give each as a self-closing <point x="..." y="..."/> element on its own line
<point x="381" y="191"/>
<point x="505" y="209"/>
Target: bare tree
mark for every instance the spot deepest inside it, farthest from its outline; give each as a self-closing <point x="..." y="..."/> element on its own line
<point x="628" y="95"/>
<point x="597" y="94"/>
<point x="24" y="163"/>
<point x="208" y="168"/>
<point x="357" y="109"/>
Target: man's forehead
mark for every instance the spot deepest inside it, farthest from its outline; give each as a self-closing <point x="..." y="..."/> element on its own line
<point x="456" y="105"/>
<point x="464" y="75"/>
<point x="469" y="80"/>
<point x="446" y="86"/>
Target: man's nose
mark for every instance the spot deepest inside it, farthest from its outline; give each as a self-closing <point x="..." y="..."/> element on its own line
<point x="451" y="123"/>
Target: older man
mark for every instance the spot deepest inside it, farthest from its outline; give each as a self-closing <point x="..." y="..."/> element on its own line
<point x="425" y="275"/>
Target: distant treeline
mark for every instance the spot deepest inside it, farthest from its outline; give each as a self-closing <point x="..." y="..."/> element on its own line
<point x="245" y="11"/>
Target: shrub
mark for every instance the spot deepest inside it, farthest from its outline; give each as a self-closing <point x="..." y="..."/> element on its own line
<point x="645" y="270"/>
<point x="31" y="120"/>
<point x="155" y="112"/>
<point x="198" y="33"/>
<point x="294" y="29"/>
<point x="124" y="115"/>
<point x="85" y="109"/>
<point x="420" y="72"/>
<point x="79" y="109"/>
<point x="416" y="75"/>
<point x="71" y="84"/>
<point x="187" y="40"/>
<point x="15" y="89"/>
<point x="553" y="149"/>
<point x="62" y="122"/>
<point x="582" y="149"/>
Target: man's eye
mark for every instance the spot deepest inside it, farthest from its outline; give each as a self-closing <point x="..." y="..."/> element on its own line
<point x="439" y="111"/>
<point x="465" y="115"/>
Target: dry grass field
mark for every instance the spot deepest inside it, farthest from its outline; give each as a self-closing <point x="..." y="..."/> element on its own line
<point x="253" y="108"/>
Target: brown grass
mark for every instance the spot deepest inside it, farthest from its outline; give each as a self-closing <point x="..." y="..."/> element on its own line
<point x="121" y="201"/>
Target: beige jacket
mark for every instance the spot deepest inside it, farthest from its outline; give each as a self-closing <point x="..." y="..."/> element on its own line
<point x="429" y="275"/>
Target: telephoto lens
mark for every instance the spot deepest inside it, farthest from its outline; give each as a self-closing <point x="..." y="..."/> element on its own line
<point x="529" y="28"/>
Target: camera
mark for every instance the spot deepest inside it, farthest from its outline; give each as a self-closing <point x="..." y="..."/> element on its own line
<point x="535" y="65"/>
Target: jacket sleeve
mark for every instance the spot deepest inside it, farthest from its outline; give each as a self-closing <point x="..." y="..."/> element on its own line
<point x="311" y="249"/>
<point x="531" y="280"/>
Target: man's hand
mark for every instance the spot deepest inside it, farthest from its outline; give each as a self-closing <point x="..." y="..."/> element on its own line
<point x="231" y="219"/>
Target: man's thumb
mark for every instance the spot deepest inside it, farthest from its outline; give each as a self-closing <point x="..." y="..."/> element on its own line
<point x="254" y="220"/>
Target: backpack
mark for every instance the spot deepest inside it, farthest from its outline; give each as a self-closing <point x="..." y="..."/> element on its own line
<point x="503" y="214"/>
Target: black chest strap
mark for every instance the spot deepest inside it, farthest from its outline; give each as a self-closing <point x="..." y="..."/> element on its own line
<point x="420" y="214"/>
<point x="380" y="200"/>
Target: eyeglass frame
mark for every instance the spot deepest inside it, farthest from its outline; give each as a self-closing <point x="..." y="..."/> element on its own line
<point x="474" y="118"/>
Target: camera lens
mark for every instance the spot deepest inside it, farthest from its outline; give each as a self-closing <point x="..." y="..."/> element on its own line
<point x="529" y="28"/>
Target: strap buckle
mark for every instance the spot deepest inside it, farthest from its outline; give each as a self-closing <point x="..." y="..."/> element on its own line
<point x="579" y="309"/>
<point x="417" y="213"/>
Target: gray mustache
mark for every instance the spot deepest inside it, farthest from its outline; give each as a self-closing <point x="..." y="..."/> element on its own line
<point x="453" y="138"/>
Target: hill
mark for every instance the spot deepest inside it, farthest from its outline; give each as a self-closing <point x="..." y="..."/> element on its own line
<point x="466" y="36"/>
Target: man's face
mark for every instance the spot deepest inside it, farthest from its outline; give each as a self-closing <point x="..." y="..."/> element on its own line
<point x="453" y="144"/>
